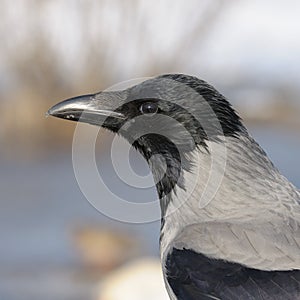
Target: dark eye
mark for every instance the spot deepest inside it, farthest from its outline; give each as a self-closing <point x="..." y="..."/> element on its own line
<point x="149" y="108"/>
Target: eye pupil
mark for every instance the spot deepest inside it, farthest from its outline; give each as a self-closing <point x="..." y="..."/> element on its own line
<point x="149" y="108"/>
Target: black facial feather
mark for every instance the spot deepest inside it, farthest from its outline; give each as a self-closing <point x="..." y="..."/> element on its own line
<point x="185" y="127"/>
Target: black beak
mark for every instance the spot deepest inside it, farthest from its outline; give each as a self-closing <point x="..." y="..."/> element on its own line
<point x="92" y="109"/>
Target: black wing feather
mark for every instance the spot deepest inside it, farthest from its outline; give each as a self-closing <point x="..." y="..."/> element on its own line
<point x="194" y="276"/>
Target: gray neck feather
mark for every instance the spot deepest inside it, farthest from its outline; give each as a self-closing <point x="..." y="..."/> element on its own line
<point x="251" y="188"/>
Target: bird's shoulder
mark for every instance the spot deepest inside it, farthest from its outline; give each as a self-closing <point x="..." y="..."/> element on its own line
<point x="265" y="246"/>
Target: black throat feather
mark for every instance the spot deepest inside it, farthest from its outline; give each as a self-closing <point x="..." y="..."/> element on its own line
<point x="166" y="162"/>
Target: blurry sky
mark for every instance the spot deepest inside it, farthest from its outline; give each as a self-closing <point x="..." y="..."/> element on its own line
<point x="258" y="37"/>
<point x="221" y="40"/>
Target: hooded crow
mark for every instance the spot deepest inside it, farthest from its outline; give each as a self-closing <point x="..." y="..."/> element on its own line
<point x="229" y="219"/>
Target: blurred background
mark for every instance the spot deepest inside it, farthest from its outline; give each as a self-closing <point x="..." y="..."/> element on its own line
<point x="54" y="245"/>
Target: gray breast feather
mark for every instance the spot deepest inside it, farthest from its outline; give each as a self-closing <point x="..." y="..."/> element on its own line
<point x="253" y="217"/>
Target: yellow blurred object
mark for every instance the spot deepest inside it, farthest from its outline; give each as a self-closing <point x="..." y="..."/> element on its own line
<point x="140" y="279"/>
<point x="105" y="249"/>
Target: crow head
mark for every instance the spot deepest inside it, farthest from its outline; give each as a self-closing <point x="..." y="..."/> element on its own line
<point x="166" y="118"/>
